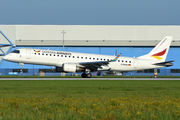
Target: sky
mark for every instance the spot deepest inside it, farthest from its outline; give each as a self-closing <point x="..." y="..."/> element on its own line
<point x="90" y="12"/>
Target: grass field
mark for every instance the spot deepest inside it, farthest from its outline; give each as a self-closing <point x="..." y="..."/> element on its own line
<point x="106" y="100"/>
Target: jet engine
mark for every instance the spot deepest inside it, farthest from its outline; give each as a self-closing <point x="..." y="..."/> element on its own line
<point x="69" y="67"/>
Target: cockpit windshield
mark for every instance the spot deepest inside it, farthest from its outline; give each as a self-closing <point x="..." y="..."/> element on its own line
<point x="16" y="51"/>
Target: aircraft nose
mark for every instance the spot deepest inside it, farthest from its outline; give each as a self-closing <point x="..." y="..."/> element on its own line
<point x="5" y="57"/>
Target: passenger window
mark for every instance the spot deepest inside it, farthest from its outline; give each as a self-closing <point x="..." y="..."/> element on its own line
<point x="89" y="58"/>
<point x="38" y="53"/>
<point x="77" y="56"/>
<point x="122" y="60"/>
<point x="35" y="53"/>
<point x="50" y="54"/>
<point x="126" y="61"/>
<point x="81" y="57"/>
<point x="129" y="61"/>
<point x="69" y="56"/>
<point x="93" y="58"/>
<point x="118" y="60"/>
<point x="65" y="56"/>
<point x="58" y="55"/>
<point x="54" y="55"/>
<point x="104" y="59"/>
<point x="73" y="56"/>
<point x="97" y="58"/>
<point x="46" y="54"/>
<point x="61" y="55"/>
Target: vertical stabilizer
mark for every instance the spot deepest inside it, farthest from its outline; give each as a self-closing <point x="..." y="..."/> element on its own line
<point x="160" y="51"/>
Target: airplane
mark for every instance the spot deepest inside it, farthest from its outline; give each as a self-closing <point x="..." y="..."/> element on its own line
<point x="86" y="63"/>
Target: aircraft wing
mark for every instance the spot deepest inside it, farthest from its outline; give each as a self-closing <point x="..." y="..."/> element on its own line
<point x="93" y="65"/>
<point x="97" y="64"/>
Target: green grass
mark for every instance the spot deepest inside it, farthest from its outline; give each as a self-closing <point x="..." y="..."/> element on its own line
<point x="15" y="88"/>
<point x="96" y="99"/>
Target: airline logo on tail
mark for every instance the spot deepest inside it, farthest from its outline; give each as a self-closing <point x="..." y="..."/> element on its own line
<point x="157" y="55"/>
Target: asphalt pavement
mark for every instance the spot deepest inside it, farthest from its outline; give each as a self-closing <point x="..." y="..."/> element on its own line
<point x="89" y="78"/>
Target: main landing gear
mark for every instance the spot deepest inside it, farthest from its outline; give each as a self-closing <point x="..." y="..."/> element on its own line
<point x="84" y="75"/>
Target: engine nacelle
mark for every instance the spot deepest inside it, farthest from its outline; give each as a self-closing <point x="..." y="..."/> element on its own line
<point x="69" y="67"/>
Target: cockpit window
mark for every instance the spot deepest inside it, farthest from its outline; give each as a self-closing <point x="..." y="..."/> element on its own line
<point x="15" y="51"/>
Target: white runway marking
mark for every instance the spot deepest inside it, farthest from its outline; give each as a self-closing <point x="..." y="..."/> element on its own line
<point x="89" y="78"/>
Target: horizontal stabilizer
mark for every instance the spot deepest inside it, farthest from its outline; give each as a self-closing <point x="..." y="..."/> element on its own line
<point x="166" y="64"/>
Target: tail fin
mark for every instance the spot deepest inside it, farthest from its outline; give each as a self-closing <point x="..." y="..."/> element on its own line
<point x="159" y="52"/>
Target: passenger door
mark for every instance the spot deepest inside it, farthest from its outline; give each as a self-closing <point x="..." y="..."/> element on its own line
<point x="28" y="53"/>
<point x="135" y="62"/>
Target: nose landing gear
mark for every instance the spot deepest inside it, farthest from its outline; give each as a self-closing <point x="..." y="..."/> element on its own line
<point x="21" y="66"/>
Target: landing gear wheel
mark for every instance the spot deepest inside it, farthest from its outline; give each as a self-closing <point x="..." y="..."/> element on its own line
<point x="99" y="73"/>
<point x="83" y="75"/>
<point x="89" y="75"/>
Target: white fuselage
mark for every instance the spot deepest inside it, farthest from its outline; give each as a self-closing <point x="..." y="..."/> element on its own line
<point x="58" y="58"/>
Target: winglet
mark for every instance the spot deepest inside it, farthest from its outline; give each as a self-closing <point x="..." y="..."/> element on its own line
<point x="115" y="58"/>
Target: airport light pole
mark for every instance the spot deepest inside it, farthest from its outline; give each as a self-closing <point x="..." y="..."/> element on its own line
<point x="63" y="32"/>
